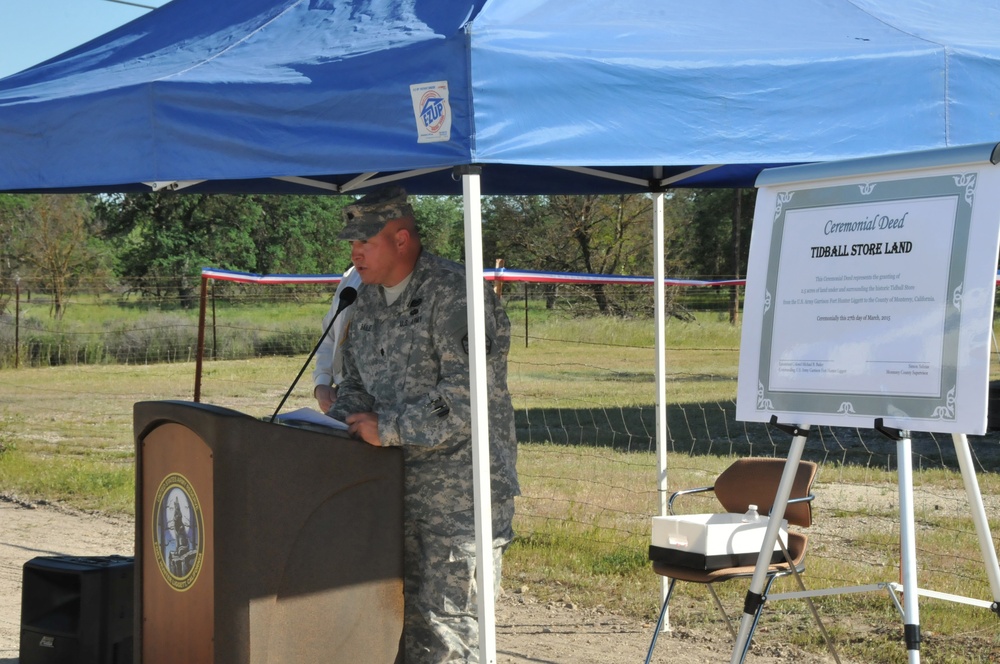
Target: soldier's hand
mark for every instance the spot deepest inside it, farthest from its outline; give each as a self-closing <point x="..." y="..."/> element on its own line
<point x="326" y="396"/>
<point x="364" y="426"/>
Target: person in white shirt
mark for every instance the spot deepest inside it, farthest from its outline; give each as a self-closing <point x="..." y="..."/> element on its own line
<point x="329" y="356"/>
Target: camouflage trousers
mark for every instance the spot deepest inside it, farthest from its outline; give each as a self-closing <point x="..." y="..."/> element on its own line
<point x="439" y="584"/>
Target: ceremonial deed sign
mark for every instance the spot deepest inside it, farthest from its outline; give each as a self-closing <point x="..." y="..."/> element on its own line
<point x="870" y="292"/>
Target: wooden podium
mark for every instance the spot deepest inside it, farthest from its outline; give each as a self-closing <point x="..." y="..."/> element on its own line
<point x="260" y="542"/>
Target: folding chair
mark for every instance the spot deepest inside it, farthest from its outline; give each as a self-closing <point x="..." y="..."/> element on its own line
<point x="749" y="481"/>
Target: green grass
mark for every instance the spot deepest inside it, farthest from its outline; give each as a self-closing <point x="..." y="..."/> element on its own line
<point x="85" y="483"/>
<point x="596" y="558"/>
<point x="707" y="331"/>
<point x="98" y="330"/>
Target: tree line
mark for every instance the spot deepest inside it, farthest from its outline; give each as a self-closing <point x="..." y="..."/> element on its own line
<point x="155" y="244"/>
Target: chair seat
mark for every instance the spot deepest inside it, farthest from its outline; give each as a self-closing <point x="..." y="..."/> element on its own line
<point x="796" y="548"/>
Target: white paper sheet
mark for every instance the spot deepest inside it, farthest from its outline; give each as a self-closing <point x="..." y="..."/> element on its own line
<point x="310" y="416"/>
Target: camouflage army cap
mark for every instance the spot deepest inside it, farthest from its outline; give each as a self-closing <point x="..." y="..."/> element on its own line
<point x="366" y="217"/>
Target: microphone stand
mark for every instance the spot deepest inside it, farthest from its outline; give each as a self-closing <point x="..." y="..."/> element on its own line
<point x="347" y="298"/>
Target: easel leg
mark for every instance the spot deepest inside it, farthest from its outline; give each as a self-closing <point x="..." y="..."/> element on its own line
<point x="908" y="548"/>
<point x="755" y="594"/>
<point x="978" y="513"/>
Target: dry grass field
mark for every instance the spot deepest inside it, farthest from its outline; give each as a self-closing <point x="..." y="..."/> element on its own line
<point x="584" y="396"/>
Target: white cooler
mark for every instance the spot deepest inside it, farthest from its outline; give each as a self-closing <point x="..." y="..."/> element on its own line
<point x="711" y="541"/>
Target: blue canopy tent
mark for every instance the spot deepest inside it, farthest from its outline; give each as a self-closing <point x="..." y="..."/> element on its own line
<point x="515" y="96"/>
<point x="230" y="96"/>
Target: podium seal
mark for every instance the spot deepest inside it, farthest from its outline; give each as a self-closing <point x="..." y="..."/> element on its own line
<point x="178" y="532"/>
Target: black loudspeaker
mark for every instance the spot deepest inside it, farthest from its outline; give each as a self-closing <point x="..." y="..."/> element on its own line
<point x="77" y="610"/>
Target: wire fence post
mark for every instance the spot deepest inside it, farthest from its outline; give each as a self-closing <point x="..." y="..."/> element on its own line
<point x="498" y="282"/>
<point x="17" y="321"/>
<point x="215" y="339"/>
<point x="525" y="314"/>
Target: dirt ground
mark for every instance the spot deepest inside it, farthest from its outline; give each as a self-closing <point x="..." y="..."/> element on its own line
<point x="528" y="631"/>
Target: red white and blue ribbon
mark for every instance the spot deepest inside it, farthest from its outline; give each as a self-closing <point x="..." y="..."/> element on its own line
<point x="492" y="274"/>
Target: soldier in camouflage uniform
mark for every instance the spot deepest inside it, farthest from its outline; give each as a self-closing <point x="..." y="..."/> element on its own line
<point x="406" y="384"/>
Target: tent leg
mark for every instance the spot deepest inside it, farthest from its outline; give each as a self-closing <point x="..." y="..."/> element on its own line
<point x="660" y="315"/>
<point x="480" y="417"/>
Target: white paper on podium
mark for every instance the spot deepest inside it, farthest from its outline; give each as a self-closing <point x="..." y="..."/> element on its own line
<point x="310" y="416"/>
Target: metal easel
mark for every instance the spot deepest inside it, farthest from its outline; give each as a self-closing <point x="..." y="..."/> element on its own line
<point x="909" y="609"/>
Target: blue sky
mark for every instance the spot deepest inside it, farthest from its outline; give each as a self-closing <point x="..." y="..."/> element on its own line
<point x="32" y="31"/>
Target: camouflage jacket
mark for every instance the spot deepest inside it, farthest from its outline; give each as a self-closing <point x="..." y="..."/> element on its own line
<point x="408" y="362"/>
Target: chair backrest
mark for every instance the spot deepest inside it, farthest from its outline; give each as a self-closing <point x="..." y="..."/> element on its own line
<point x="754" y="480"/>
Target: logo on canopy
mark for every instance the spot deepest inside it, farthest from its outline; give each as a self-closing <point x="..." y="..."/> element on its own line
<point x="431" y="111"/>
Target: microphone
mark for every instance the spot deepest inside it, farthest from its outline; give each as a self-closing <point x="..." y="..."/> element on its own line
<point x="347" y="298"/>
